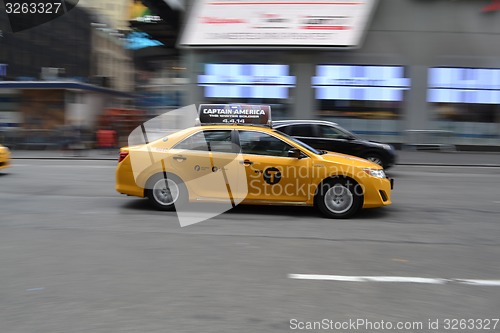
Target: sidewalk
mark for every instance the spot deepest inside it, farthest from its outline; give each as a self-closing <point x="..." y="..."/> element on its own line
<point x="89" y="154"/>
<point x="405" y="157"/>
<point x="452" y="158"/>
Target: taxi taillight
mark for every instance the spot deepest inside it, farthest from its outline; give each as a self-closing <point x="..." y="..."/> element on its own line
<point x="122" y="156"/>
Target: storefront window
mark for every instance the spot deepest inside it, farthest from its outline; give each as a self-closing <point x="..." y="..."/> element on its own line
<point x="367" y="100"/>
<point x="268" y="84"/>
<point x="465" y="102"/>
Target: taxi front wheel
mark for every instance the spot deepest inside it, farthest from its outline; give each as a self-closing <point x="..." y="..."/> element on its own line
<point x="338" y="198"/>
<point x="165" y="193"/>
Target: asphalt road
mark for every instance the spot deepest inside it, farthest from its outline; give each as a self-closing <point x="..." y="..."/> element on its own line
<point x="75" y="256"/>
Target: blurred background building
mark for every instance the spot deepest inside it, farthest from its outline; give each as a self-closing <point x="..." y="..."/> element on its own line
<point x="68" y="72"/>
<point x="431" y="66"/>
<point x="387" y="69"/>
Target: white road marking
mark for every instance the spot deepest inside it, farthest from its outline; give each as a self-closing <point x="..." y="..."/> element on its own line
<point x="407" y="279"/>
<point x="479" y="282"/>
<point x="397" y="279"/>
<point x="440" y="174"/>
<point x="481" y="166"/>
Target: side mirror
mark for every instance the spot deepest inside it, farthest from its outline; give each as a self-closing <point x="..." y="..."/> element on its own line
<point x="295" y="153"/>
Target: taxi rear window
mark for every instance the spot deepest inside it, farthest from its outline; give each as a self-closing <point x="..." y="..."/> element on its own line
<point x="217" y="141"/>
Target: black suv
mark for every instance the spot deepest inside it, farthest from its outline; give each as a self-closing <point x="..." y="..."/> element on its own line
<point x="330" y="136"/>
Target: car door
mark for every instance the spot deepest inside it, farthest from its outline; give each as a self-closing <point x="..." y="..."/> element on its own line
<point x="272" y="175"/>
<point x="208" y="163"/>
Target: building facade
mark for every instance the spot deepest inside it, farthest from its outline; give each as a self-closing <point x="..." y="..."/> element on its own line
<point x="112" y="63"/>
<point x="114" y="13"/>
<point x="63" y="44"/>
<point x="429" y="66"/>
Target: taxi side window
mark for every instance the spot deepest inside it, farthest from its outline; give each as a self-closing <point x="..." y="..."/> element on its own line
<point x="257" y="143"/>
<point x="216" y="141"/>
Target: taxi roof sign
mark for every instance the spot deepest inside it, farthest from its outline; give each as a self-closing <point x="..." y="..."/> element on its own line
<point x="243" y="114"/>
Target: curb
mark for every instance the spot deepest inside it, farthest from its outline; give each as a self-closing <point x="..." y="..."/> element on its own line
<point x="65" y="158"/>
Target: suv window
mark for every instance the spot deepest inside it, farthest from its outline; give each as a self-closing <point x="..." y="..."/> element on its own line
<point x="252" y="142"/>
<point x="217" y="141"/>
<point x="303" y="130"/>
<point x="330" y="132"/>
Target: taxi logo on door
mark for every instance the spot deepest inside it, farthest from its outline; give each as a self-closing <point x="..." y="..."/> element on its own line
<point x="272" y="176"/>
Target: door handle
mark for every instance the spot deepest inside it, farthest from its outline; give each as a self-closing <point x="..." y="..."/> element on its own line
<point x="179" y="158"/>
<point x="246" y="162"/>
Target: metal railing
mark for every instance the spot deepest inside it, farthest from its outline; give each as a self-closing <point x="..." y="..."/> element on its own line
<point x="429" y="139"/>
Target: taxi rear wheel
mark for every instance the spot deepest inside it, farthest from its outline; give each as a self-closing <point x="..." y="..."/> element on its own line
<point x="165" y="193"/>
<point x="339" y="198"/>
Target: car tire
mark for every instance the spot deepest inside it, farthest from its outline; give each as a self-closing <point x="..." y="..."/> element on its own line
<point x="339" y="198"/>
<point x="375" y="158"/>
<point x="166" y="193"/>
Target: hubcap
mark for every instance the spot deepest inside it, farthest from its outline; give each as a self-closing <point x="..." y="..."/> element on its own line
<point x="166" y="191"/>
<point x="338" y="199"/>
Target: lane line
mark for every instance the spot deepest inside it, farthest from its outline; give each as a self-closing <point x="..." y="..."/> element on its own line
<point x="479" y="282"/>
<point x="442" y="165"/>
<point x="394" y="279"/>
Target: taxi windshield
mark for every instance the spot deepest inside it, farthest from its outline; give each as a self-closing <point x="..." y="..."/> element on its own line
<point x="302" y="144"/>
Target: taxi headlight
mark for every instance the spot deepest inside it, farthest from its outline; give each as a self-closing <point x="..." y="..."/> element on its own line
<point x="377" y="173"/>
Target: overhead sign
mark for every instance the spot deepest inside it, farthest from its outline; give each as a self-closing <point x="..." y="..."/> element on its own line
<point x="275" y="24"/>
<point x="235" y="114"/>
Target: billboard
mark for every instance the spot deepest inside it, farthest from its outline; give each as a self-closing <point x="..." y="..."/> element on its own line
<point x="276" y="23"/>
<point x="246" y="81"/>
<point x="360" y="82"/>
<point x="464" y="85"/>
<point x="140" y="13"/>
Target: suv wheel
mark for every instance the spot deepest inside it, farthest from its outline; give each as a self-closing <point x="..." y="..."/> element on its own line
<point x="375" y="159"/>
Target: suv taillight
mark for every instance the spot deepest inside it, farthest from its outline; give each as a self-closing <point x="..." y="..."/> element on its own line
<point x="122" y="156"/>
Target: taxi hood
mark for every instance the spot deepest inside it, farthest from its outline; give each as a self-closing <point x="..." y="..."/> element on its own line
<point x="349" y="160"/>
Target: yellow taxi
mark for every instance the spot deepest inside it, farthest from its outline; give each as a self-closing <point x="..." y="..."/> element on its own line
<point x="4" y="157"/>
<point x="235" y="156"/>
